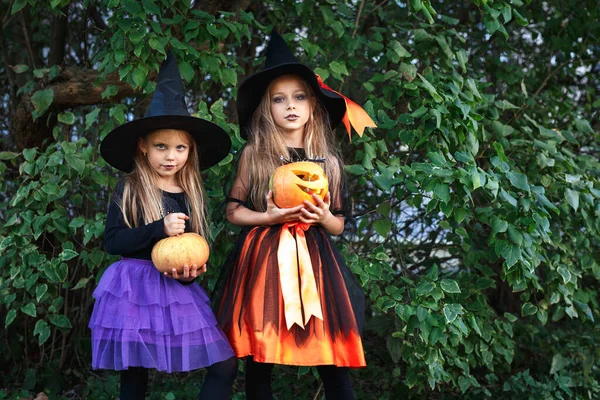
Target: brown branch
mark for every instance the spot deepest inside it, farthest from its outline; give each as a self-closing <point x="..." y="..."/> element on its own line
<point x="376" y="7"/>
<point x="213" y="6"/>
<point x="97" y="18"/>
<point x="58" y="38"/>
<point x="9" y="72"/>
<point x="35" y="61"/>
<point x="77" y="87"/>
<point x="362" y="3"/>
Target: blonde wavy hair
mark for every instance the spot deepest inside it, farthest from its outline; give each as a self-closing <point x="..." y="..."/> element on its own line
<point x="143" y="198"/>
<point x="266" y="145"/>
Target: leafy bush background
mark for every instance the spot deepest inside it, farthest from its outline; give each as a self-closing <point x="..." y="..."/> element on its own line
<point x="477" y="200"/>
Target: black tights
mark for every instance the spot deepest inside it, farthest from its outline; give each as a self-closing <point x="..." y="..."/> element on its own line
<point x="217" y="383"/>
<point x="335" y="379"/>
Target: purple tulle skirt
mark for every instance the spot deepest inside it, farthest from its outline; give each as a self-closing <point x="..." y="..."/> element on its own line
<point x="143" y="319"/>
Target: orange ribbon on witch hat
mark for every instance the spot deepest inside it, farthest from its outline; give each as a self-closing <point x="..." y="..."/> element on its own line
<point x="296" y="276"/>
<point x="355" y="115"/>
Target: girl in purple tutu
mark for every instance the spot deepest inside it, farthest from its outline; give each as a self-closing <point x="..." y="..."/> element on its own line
<point x="143" y="319"/>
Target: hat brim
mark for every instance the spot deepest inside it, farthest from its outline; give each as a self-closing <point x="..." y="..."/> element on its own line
<point x="118" y="147"/>
<point x="253" y="89"/>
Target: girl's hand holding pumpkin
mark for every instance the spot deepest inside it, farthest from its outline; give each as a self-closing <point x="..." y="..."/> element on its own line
<point x="175" y="224"/>
<point x="276" y="215"/>
<point x="189" y="273"/>
<point x="320" y="214"/>
<point x="316" y="214"/>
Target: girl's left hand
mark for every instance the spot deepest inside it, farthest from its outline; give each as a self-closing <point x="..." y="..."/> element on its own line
<point x="189" y="273"/>
<point x="316" y="214"/>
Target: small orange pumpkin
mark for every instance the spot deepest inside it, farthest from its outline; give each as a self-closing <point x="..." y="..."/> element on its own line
<point x="293" y="183"/>
<point x="177" y="251"/>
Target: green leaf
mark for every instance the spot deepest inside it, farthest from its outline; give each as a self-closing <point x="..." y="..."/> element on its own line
<point x="81" y="283"/>
<point x="450" y="286"/>
<point x="20" y="68"/>
<point x="110" y="91"/>
<point x="511" y="254"/>
<point x="150" y="7"/>
<point x="29" y="154"/>
<point x="338" y="67"/>
<point x="91" y="117"/>
<point x="409" y="71"/>
<point x="583" y="126"/>
<point x="442" y="191"/>
<point x="18" y="5"/>
<point x="8" y="155"/>
<point x="140" y="74"/>
<point x="572" y="197"/>
<point x="565" y="273"/>
<point x="558" y="363"/>
<point x="432" y="91"/>
<point x="475" y="178"/>
<point x="76" y="162"/>
<point x="60" y="320"/>
<point x="515" y="235"/>
<point x="10" y="317"/>
<point x="229" y="77"/>
<point x="400" y="51"/>
<point x="43" y="330"/>
<point x="507" y="197"/>
<point x="498" y="225"/>
<point x="186" y="70"/>
<point x="66" y="117"/>
<point x="473" y="88"/>
<point x="40" y="291"/>
<point x="355" y="169"/>
<point x="132" y="6"/>
<point x="462" y="58"/>
<point x="29" y="309"/>
<point x="42" y="99"/>
<point x="425" y="288"/>
<point x="464" y="383"/>
<point x="382" y="227"/>
<point x="528" y="309"/>
<point x="157" y="45"/>
<point x="451" y="311"/>
<point x="437" y="158"/>
<point x="460" y="214"/>
<point x="518" y="180"/>
<point x="67" y="254"/>
<point x="51" y="188"/>
<point x="510" y="317"/>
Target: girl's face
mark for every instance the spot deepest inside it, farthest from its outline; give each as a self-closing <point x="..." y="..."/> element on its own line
<point x="167" y="151"/>
<point x="291" y="105"/>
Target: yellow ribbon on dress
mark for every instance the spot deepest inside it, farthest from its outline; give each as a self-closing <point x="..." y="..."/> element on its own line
<point x="296" y="276"/>
<point x="355" y="115"/>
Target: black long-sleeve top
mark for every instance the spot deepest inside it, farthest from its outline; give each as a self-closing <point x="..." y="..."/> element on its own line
<point x="138" y="242"/>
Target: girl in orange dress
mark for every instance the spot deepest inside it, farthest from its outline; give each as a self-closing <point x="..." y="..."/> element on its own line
<point x="313" y="318"/>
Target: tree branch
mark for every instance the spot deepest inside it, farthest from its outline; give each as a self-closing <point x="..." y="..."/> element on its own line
<point x="58" y="38"/>
<point x="77" y="87"/>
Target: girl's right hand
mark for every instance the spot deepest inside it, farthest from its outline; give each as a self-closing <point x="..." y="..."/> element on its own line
<point x="278" y="215"/>
<point x="175" y="224"/>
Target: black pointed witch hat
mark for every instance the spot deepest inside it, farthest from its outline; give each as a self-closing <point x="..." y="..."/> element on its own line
<point x="167" y="111"/>
<point x="280" y="61"/>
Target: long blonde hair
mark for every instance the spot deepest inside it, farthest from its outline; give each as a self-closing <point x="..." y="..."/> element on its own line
<point x="142" y="196"/>
<point x="266" y="145"/>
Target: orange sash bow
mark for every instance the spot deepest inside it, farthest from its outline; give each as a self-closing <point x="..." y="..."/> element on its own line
<point x="355" y="115"/>
<point x="298" y="285"/>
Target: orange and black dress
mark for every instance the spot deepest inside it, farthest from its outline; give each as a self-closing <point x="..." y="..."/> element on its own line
<point x="286" y="296"/>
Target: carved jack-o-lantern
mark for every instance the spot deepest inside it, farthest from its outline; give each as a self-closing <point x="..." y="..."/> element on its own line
<point x="177" y="251"/>
<point x="295" y="182"/>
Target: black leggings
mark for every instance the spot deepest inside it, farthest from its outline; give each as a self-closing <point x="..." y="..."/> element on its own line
<point x="335" y="379"/>
<point x="217" y="383"/>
